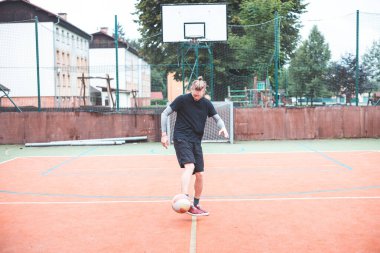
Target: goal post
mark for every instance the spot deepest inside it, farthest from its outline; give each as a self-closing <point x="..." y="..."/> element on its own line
<point x="225" y="111"/>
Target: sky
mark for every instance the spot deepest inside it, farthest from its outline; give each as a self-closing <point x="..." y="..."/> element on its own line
<point x="336" y="19"/>
<point x="91" y="15"/>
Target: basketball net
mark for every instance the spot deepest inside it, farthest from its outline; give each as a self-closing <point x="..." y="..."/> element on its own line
<point x="194" y="41"/>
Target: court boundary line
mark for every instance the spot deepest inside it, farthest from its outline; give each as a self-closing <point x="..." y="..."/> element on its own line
<point x="205" y="153"/>
<point x="193" y="235"/>
<point x="72" y="158"/>
<point x="144" y="198"/>
<point x="4" y="162"/>
<point x="203" y="200"/>
<point x="322" y="153"/>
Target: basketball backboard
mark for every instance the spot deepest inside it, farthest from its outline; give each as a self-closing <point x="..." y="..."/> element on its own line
<point x="204" y="22"/>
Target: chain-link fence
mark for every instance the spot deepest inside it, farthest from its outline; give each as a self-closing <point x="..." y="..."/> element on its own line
<point x="47" y="65"/>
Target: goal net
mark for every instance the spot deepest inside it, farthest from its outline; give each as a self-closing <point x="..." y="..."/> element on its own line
<point x="225" y="111"/>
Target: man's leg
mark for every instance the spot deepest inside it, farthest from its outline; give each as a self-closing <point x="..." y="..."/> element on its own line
<point x="186" y="177"/>
<point x="198" y="185"/>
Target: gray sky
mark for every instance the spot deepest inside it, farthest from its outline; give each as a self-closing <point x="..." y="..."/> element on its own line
<point x="91" y="15"/>
<point x="336" y="19"/>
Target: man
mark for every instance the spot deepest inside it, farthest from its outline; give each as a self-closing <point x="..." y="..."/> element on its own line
<point x="192" y="112"/>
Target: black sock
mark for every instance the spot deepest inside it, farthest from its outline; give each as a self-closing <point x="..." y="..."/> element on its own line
<point x="196" y="201"/>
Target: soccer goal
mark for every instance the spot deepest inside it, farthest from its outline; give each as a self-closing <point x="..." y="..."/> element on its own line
<point x="225" y="111"/>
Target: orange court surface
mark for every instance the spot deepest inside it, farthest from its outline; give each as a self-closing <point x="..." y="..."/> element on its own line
<point x="267" y="196"/>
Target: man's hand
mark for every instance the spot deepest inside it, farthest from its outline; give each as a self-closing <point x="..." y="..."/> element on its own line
<point x="224" y="132"/>
<point x="164" y="140"/>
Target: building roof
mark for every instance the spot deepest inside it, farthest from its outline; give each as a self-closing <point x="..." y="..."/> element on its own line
<point x="25" y="11"/>
<point x="103" y="40"/>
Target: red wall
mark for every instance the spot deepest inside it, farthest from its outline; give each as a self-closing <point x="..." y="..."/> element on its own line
<point x="26" y="127"/>
<point x="307" y="123"/>
<point x="249" y="124"/>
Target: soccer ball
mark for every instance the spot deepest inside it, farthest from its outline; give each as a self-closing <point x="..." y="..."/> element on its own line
<point x="181" y="203"/>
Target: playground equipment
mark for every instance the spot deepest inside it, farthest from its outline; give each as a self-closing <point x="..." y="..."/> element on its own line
<point x="375" y="99"/>
<point x="6" y="91"/>
<point x="259" y="96"/>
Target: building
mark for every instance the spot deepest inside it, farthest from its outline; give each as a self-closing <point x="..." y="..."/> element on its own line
<point x="134" y="73"/>
<point x="63" y="56"/>
<point x="175" y="88"/>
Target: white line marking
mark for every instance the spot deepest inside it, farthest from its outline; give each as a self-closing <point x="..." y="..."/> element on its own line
<point x="6" y="152"/>
<point x="193" y="235"/>
<point x="8" y="160"/>
<point x="290" y="199"/>
<point x="80" y="202"/>
<point x="216" y="153"/>
<point x="166" y="201"/>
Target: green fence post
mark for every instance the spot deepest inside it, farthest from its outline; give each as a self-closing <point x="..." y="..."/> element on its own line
<point x="276" y="54"/>
<point x="38" y="63"/>
<point x="183" y="67"/>
<point x="211" y="71"/>
<point x="196" y="50"/>
<point x="117" y="63"/>
<point x="357" y="60"/>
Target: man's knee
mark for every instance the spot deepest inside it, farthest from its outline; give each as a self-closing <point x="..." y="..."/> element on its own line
<point x="189" y="166"/>
<point x="199" y="174"/>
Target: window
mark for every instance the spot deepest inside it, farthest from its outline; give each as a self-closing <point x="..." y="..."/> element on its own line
<point x="64" y="80"/>
<point x="57" y="34"/>
<point x="57" y="58"/>
<point x="63" y="61"/>
<point x="63" y="36"/>
<point x="58" y="79"/>
<point x="68" y="62"/>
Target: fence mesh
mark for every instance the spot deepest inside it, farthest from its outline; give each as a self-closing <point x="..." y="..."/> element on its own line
<point x="75" y="75"/>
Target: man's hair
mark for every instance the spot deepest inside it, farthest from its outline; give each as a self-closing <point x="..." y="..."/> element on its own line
<point x="199" y="84"/>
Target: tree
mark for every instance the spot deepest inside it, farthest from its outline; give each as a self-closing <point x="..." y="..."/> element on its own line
<point x="309" y="66"/>
<point x="341" y="78"/>
<point x="158" y="83"/>
<point x="120" y="32"/>
<point x="135" y="43"/>
<point x="298" y="73"/>
<point x="262" y="11"/>
<point x="242" y="49"/>
<point x="371" y="64"/>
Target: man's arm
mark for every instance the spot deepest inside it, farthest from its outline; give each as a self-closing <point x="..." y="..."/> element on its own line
<point x="221" y="126"/>
<point x="164" y="124"/>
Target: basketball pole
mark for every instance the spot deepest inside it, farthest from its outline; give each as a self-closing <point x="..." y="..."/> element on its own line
<point x="194" y="67"/>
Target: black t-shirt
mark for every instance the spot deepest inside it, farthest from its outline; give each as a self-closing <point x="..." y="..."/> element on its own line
<point x="191" y="117"/>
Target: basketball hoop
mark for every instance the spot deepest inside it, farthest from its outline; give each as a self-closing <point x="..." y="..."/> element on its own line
<point x="194" y="41"/>
<point x="194" y="23"/>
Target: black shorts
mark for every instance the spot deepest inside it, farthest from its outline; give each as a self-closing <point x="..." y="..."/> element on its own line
<point x="189" y="152"/>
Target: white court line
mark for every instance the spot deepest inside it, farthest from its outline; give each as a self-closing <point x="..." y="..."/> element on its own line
<point x="193" y="235"/>
<point x="166" y="201"/>
<point x="205" y="153"/>
<point x="211" y="153"/>
<point x="9" y="160"/>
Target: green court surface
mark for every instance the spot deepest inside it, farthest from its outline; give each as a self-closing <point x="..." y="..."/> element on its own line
<point x="153" y="148"/>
